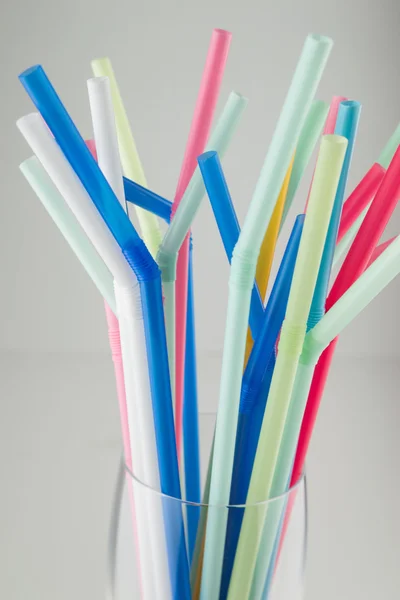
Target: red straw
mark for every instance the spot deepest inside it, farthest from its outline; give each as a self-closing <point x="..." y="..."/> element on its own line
<point x="353" y="266"/>
<point x="360" y="198"/>
<point x="199" y="131"/>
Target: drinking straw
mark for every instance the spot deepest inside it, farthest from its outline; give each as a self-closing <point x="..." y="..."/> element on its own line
<point x="132" y="337"/>
<point x="131" y="164"/>
<point x="43" y="144"/>
<point x="227" y="222"/>
<point x="329" y="126"/>
<point x="136" y="254"/>
<point x="385" y="267"/>
<point x="348" y="238"/>
<point x="199" y="130"/>
<point x="379" y="250"/>
<point x="69" y="227"/>
<point x="346" y="126"/>
<point x="324" y="187"/>
<point x="167" y="256"/>
<point x="255" y="385"/>
<point x="306" y="78"/>
<point x="354" y="264"/>
<point x="190" y="420"/>
<point x="308" y="139"/>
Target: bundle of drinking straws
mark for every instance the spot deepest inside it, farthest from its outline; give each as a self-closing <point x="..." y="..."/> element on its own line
<point x="278" y="348"/>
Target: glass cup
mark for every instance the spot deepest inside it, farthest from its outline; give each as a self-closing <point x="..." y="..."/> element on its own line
<point x="148" y="550"/>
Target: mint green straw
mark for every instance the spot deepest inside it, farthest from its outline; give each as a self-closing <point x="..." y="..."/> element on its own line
<point x="243" y="268"/>
<point x="130" y="160"/>
<point x="167" y="255"/>
<point x="59" y="211"/>
<point x="326" y="177"/>
<point x="308" y="139"/>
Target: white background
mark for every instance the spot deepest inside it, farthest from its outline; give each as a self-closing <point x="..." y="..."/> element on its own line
<point x="59" y="436"/>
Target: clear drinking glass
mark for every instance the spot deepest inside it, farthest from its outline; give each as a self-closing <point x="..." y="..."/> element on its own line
<point x="147" y="541"/>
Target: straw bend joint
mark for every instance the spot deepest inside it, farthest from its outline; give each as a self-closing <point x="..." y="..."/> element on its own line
<point x="243" y="268"/>
<point x="292" y="338"/>
<point x="141" y="261"/>
<point x="312" y="350"/>
<point x="167" y="264"/>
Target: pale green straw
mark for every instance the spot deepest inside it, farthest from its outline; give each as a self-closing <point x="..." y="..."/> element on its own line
<point x="130" y="160"/>
<point x="326" y="177"/>
<point x="384" y="160"/>
<point x="382" y="271"/>
<point x="167" y="255"/>
<point x="244" y="261"/>
<point x="59" y="211"/>
<point x="308" y="139"/>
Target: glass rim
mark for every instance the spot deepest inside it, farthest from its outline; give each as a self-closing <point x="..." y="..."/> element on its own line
<point x="271" y="500"/>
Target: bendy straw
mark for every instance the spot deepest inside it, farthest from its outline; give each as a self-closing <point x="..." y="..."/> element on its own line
<point x="141" y="196"/>
<point x="305" y="81"/>
<point x="136" y="254"/>
<point x="131" y="164"/>
<point x="354" y="264"/>
<point x="167" y="256"/>
<point x="199" y="130"/>
<point x="227" y="222"/>
<point x="346" y="126"/>
<point x="43" y="144"/>
<point x="326" y="179"/>
<point x="84" y="250"/>
<point x="256" y="381"/>
<point x="386" y="266"/>
<point x="190" y="420"/>
<point x="132" y="339"/>
<point x="308" y="139"/>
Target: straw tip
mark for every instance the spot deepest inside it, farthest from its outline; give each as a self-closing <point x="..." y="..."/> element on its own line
<point x="335" y="140"/>
<point x="222" y="33"/>
<point x="350" y="104"/>
<point x="210" y="154"/>
<point x="31" y="118"/>
<point x="30" y="71"/>
<point x="102" y="61"/>
<point x="321" y="40"/>
<point x="98" y="81"/>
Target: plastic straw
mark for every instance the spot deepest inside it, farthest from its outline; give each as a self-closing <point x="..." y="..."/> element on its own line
<point x="167" y="256"/>
<point x="131" y="164"/>
<point x="55" y="205"/>
<point x="43" y="144"/>
<point x="132" y="340"/>
<point x="386" y="156"/>
<point x="385" y="267"/>
<point x="74" y="148"/>
<point x="256" y="381"/>
<point x="329" y="127"/>
<point x="308" y="139"/>
<point x="348" y="238"/>
<point x="199" y="130"/>
<point x="244" y="261"/>
<point x="227" y="222"/>
<point x="140" y="196"/>
<point x="346" y="126"/>
<point x="354" y="264"/>
<point x="325" y="183"/>
<point x="190" y="420"/>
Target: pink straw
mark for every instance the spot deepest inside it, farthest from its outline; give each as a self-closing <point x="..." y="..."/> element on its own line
<point x="329" y="127"/>
<point x="360" y="198"/>
<point x="198" y="135"/>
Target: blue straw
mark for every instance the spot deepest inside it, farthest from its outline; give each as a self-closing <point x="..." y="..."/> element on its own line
<point x="255" y="387"/>
<point x="140" y="196"/>
<point x="46" y="100"/>
<point x="346" y="125"/>
<point x="227" y="222"/>
<point x="191" y="444"/>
